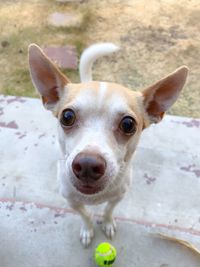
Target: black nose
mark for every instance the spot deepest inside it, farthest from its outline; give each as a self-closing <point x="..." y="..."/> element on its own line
<point x="89" y="167"/>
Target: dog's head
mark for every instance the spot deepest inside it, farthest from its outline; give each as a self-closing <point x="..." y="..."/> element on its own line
<point x="100" y="123"/>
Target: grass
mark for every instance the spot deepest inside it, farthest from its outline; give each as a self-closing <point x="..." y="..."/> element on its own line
<point x="30" y="26"/>
<point x="155" y="39"/>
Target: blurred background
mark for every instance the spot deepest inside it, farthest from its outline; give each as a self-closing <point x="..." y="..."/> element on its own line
<point x="155" y="36"/>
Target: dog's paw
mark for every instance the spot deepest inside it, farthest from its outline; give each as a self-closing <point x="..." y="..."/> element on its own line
<point x="86" y="236"/>
<point x="109" y="228"/>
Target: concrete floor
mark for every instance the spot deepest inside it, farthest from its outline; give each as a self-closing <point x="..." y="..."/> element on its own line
<point x="39" y="229"/>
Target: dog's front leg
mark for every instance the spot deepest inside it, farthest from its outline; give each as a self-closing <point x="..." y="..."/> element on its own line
<point x="109" y="224"/>
<point x="87" y="231"/>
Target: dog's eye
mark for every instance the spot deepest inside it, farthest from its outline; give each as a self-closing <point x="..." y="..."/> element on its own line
<point x="68" y="117"/>
<point x="128" y="125"/>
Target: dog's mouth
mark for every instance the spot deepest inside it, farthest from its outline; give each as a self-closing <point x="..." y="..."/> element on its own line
<point x="88" y="189"/>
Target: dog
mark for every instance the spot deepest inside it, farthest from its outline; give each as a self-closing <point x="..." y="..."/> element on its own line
<point x="99" y="126"/>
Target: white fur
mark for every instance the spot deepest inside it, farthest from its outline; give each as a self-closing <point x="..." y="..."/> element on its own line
<point x="102" y="92"/>
<point x="90" y="55"/>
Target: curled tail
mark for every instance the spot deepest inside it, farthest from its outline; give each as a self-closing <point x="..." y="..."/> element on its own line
<point x="90" y="55"/>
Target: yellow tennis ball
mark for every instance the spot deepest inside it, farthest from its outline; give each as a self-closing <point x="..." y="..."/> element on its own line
<point x="105" y="255"/>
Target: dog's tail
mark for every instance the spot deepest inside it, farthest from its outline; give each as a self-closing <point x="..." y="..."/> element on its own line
<point x="90" y="55"/>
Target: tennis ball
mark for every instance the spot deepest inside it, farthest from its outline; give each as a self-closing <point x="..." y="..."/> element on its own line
<point x="105" y="255"/>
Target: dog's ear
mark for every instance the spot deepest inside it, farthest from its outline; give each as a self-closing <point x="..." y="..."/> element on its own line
<point x="159" y="97"/>
<point x="46" y="77"/>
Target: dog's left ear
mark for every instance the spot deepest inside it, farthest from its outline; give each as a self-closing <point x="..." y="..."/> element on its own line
<point x="159" y="97"/>
<point x="46" y="77"/>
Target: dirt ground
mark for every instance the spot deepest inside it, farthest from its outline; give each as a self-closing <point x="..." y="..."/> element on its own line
<point x="155" y="36"/>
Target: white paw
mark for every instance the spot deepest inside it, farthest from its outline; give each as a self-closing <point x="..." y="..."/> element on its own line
<point x="109" y="228"/>
<point x="86" y="236"/>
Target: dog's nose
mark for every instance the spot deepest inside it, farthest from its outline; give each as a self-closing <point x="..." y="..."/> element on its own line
<point x="88" y="167"/>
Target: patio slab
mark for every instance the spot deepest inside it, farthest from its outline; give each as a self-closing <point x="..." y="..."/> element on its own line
<point x="164" y="196"/>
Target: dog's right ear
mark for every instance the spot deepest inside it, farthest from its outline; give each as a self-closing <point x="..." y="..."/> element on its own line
<point x="46" y="77"/>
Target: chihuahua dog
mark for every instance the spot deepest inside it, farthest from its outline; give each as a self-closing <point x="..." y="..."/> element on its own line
<point x="99" y="126"/>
